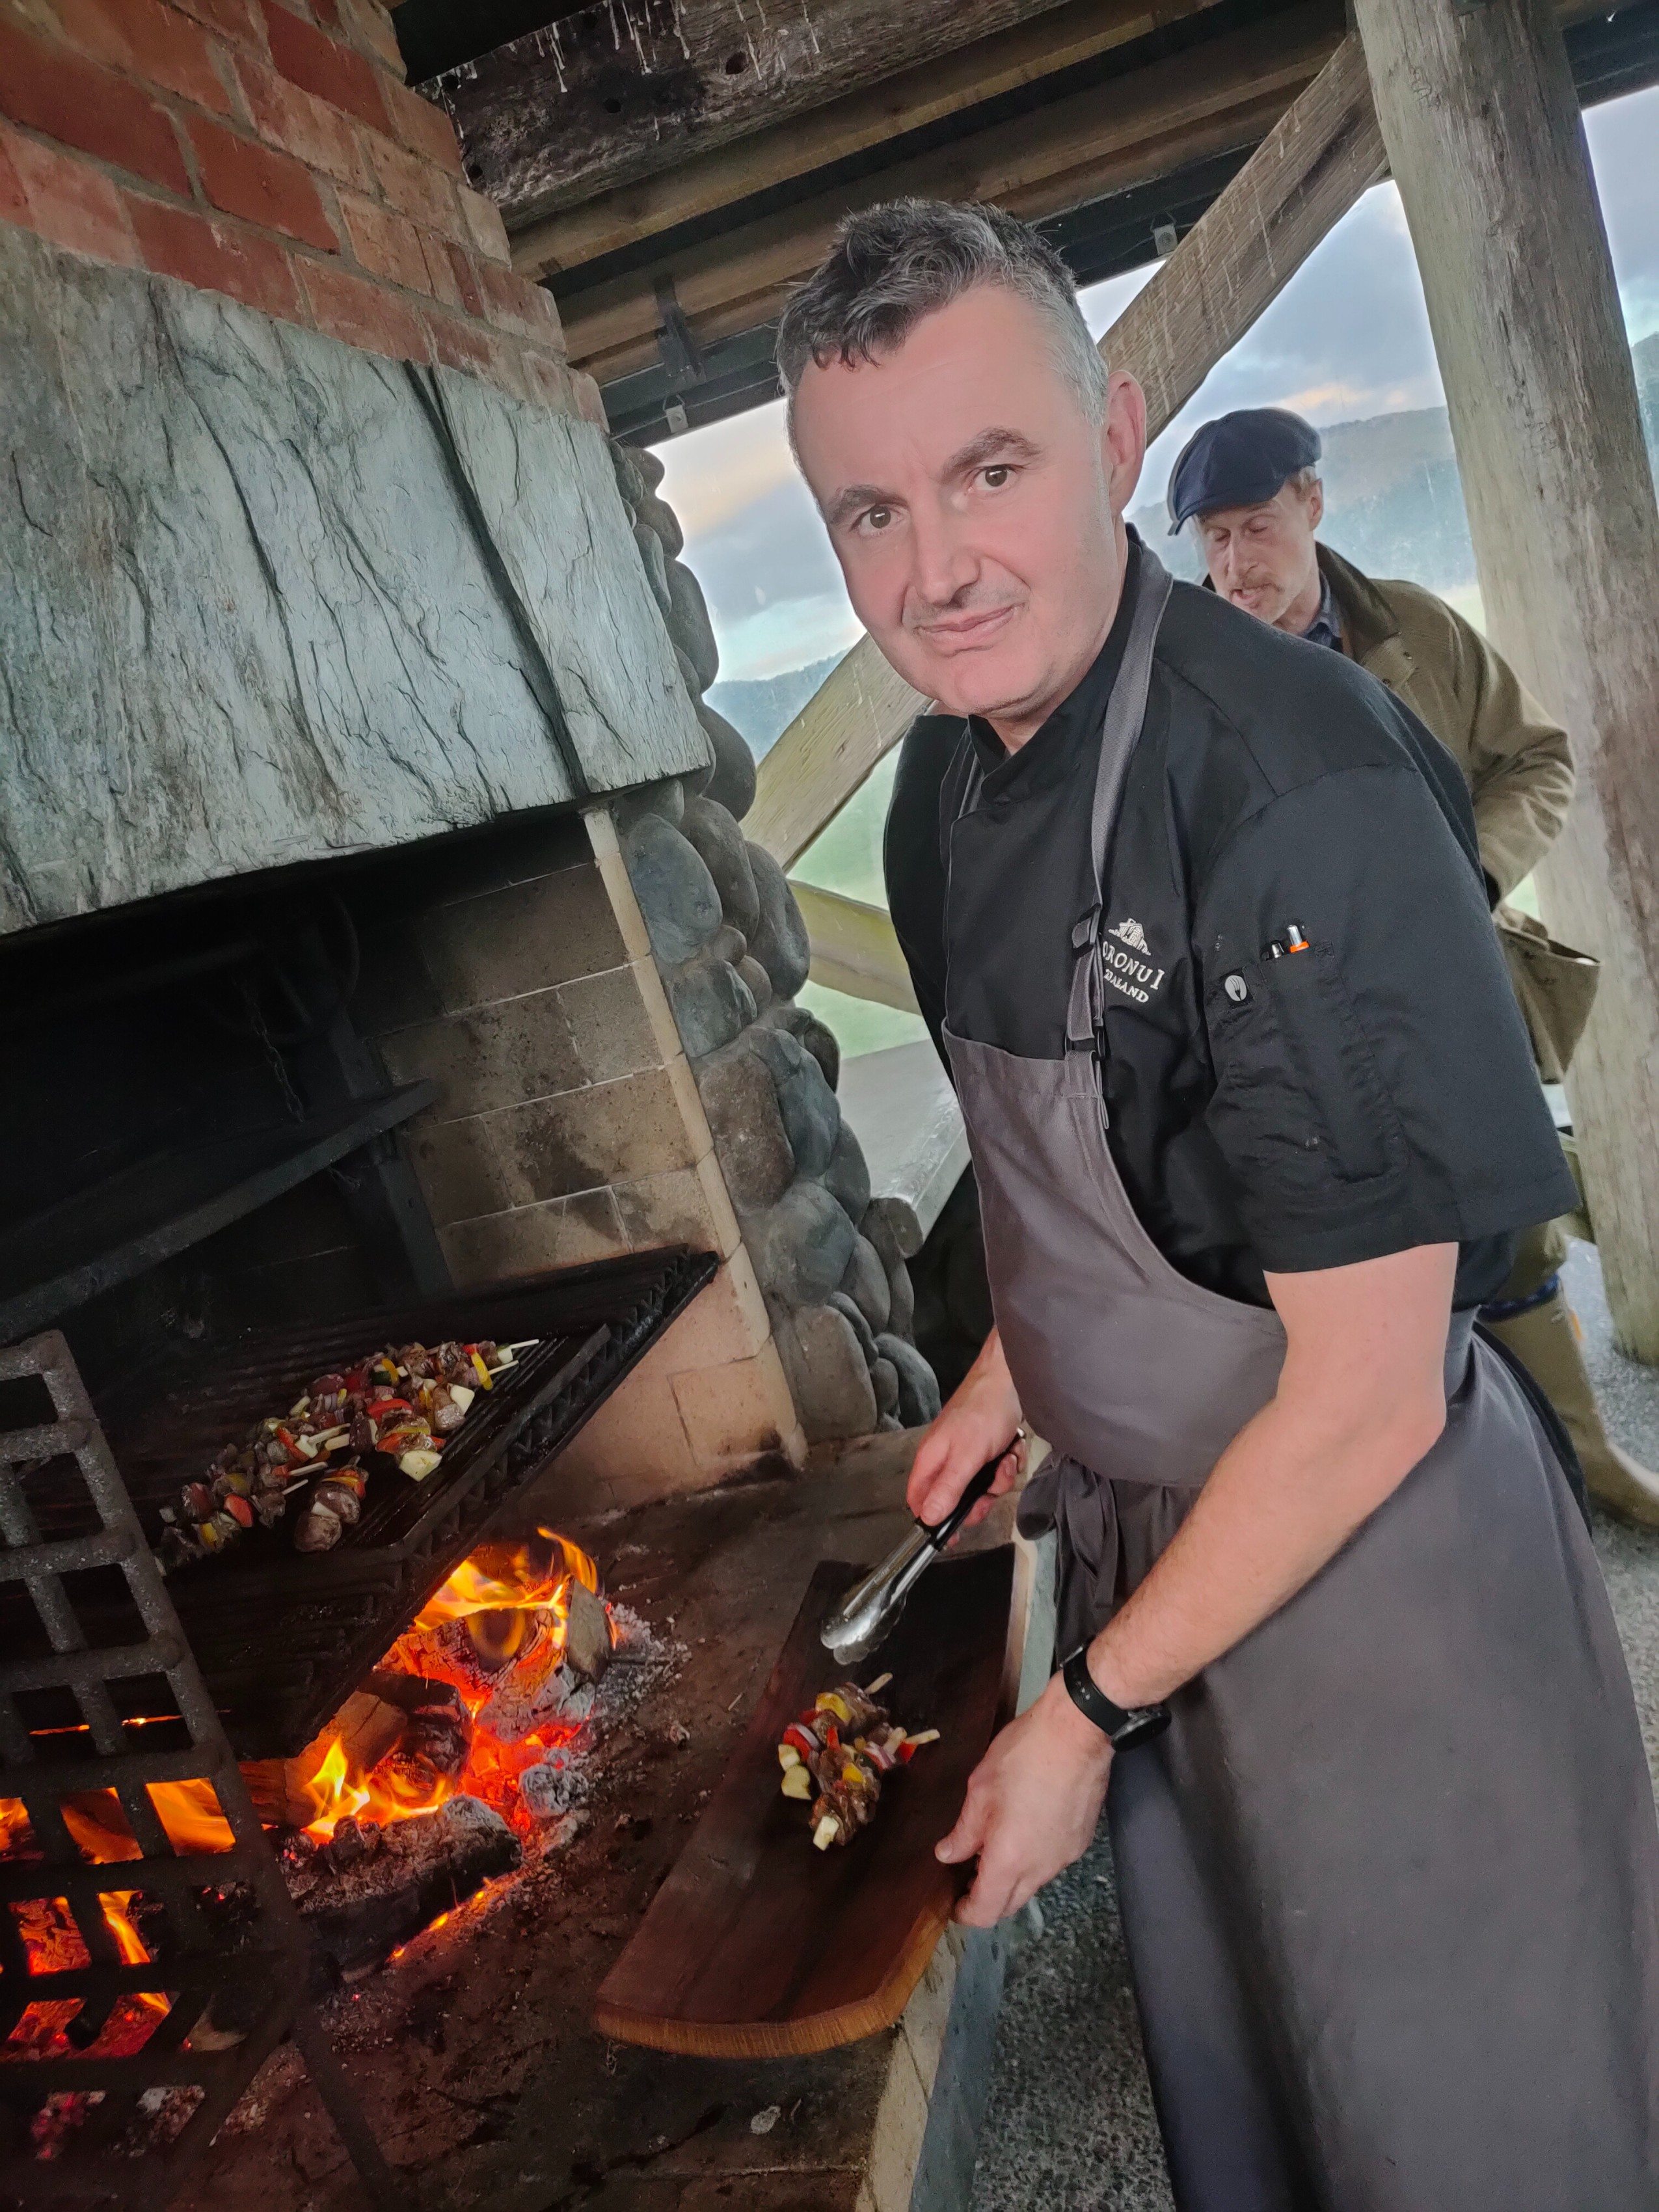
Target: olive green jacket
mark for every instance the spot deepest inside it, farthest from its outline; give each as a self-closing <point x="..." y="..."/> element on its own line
<point x="1517" y="762"/>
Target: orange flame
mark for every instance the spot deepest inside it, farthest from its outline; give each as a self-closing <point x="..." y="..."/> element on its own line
<point x="488" y="1582"/>
<point x="523" y="1582"/>
<point x="528" y="1582"/>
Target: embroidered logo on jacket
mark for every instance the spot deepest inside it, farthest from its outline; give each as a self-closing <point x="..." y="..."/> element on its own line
<point x="1131" y="978"/>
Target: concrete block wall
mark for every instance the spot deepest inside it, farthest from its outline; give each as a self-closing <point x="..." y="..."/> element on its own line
<point x="270" y="151"/>
<point x="568" y="1128"/>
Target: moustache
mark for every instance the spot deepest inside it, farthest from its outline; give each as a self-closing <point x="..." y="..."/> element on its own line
<point x="928" y="616"/>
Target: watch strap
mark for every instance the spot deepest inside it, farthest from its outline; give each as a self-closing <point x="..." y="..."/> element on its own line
<point x="1124" y="1726"/>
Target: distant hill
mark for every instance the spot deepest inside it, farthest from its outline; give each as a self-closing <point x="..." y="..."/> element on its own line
<point x="763" y="707"/>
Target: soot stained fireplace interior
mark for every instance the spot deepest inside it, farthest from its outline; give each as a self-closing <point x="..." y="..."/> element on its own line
<point x="209" y="1205"/>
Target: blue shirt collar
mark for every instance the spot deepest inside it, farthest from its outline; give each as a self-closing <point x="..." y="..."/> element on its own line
<point x="1326" y="628"/>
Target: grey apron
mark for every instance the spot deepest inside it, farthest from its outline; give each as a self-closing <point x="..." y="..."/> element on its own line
<point x="1390" y="1882"/>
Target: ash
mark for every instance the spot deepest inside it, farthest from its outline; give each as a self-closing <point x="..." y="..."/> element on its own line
<point x="640" y="1662"/>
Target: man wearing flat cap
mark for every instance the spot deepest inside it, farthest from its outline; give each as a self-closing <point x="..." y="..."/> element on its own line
<point x="1248" y="485"/>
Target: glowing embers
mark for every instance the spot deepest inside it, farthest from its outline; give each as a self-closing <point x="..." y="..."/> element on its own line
<point x="52" y="1943"/>
<point x="498" y="1674"/>
<point x="465" y="1751"/>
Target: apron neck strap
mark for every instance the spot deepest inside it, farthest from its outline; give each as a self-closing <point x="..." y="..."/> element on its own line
<point x="1126" y="712"/>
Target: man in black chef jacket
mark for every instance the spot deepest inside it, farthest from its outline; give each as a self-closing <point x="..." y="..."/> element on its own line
<point x="1225" y="1010"/>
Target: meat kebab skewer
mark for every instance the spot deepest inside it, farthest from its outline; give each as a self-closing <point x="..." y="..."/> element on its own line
<point x="836" y="1756"/>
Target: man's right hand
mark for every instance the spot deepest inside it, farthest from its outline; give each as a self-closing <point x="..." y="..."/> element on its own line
<point x="979" y="1421"/>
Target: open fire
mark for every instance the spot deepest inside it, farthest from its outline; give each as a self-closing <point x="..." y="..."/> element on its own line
<point x="459" y="1756"/>
<point x="493" y="1646"/>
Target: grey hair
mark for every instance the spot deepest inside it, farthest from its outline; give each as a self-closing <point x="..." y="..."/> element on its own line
<point x="892" y="264"/>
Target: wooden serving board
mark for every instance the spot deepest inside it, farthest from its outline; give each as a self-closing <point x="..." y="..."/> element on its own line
<point x="759" y="1946"/>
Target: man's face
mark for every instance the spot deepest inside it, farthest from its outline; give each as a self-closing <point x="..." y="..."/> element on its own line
<point x="974" y="507"/>
<point x="1262" y="557"/>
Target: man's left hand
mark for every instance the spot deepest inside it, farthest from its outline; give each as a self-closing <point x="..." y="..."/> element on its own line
<point x="1032" y="1806"/>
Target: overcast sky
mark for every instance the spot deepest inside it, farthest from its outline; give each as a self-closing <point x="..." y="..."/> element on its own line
<point x="1348" y="337"/>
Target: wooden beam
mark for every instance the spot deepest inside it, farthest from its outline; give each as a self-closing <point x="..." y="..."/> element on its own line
<point x="1078" y="148"/>
<point x="1319" y="157"/>
<point x="1306" y="174"/>
<point x="705" y="182"/>
<point x="1482" y="124"/>
<point x="855" y="716"/>
<point x="855" y="948"/>
<point x="625" y="87"/>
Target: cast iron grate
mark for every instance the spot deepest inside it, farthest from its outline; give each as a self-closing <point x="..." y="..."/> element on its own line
<point x="228" y="1957"/>
<point x="283" y="1637"/>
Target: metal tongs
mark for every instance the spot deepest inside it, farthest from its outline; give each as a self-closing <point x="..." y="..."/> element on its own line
<point x="870" y="1608"/>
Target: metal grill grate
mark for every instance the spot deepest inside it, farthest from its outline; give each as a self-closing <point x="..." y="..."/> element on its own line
<point x="228" y="1955"/>
<point x="283" y="1638"/>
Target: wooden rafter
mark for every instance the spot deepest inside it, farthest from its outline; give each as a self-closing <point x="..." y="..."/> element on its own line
<point x="1076" y="149"/>
<point x="626" y="88"/>
<point x="1313" y="164"/>
<point x="704" y="183"/>
<point x="856" y="716"/>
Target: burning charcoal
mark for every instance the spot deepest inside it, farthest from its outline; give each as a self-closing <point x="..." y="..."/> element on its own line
<point x="428" y="1867"/>
<point x="352" y="1843"/>
<point x="470" y="1816"/>
<point x="433" y="1749"/>
<point x="516" y="1708"/>
<point x="441" y="1739"/>
<point x="413" y="1692"/>
<point x="299" y="1850"/>
<point x="587" y="1633"/>
<point x="554" y="1788"/>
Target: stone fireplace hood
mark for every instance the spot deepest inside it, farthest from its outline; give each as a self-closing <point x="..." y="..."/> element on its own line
<point x="267" y="599"/>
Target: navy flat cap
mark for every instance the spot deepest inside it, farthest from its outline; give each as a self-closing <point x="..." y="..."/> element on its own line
<point x="1238" y="460"/>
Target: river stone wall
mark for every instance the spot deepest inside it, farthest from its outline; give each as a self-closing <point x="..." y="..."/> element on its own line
<point x="731" y="948"/>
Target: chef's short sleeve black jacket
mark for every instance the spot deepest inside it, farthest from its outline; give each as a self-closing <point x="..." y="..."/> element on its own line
<point x="1371" y="1093"/>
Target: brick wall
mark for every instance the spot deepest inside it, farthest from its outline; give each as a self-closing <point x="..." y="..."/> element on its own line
<point x="569" y="1128"/>
<point x="269" y="149"/>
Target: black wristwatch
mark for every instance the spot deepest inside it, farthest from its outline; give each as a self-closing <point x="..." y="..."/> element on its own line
<point x="1124" y="1726"/>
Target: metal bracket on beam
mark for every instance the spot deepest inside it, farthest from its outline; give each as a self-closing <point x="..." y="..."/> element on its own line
<point x="682" y="356"/>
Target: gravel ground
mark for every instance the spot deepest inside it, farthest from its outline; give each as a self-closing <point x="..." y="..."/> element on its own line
<point x="1069" y="2126"/>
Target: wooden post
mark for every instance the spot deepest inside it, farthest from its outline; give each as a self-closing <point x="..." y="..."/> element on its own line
<point x="1482" y="127"/>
